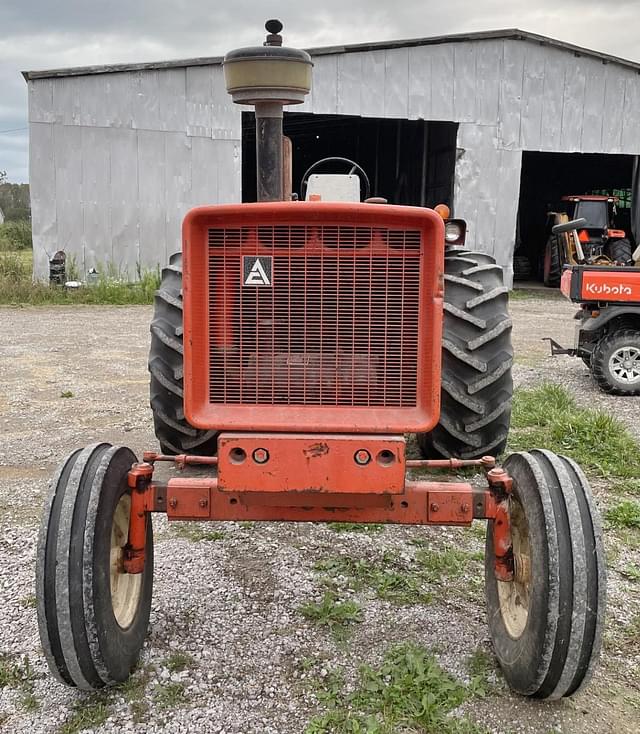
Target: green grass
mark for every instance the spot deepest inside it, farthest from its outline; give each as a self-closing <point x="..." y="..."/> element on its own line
<point x="29" y="601"/>
<point x="88" y="712"/>
<point x="389" y="580"/>
<point x="170" y="696"/>
<point x="547" y="416"/>
<point x="178" y="661"/>
<point x="331" y="612"/>
<point x="409" y="692"/>
<point x="133" y="691"/>
<point x="17" y="287"/>
<point x="481" y="665"/>
<point x="396" y="579"/>
<point x="624" y="515"/>
<point x="15" y="236"/>
<point x="631" y="572"/>
<point x="16" y="672"/>
<point x="355" y="527"/>
<point x="29" y="702"/>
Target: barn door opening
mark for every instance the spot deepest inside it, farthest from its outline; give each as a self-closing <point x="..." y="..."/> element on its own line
<point x="407" y="161"/>
<point x="546" y="178"/>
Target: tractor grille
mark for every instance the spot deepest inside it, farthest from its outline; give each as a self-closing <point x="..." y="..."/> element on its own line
<point x="314" y="315"/>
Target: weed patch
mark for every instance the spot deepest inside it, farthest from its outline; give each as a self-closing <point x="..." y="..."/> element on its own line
<point x="394" y="578"/>
<point x="178" y="661"/>
<point x="87" y="713"/>
<point x="331" y="612"/>
<point x="481" y="666"/>
<point x="408" y="692"/>
<point x="170" y="696"/>
<point x="16" y="672"/>
<point x="548" y="416"/>
<point x="133" y="691"/>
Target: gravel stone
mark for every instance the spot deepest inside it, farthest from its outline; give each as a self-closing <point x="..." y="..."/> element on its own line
<point x="232" y="604"/>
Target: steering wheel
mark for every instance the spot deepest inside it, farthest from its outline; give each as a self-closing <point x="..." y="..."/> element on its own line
<point x="354" y="168"/>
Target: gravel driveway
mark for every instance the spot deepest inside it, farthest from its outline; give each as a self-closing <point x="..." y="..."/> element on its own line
<point x="229" y="650"/>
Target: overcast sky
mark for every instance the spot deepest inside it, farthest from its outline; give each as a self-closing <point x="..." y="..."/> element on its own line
<point x="45" y="34"/>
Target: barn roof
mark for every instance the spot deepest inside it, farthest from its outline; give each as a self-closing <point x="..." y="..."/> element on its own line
<point x="510" y="34"/>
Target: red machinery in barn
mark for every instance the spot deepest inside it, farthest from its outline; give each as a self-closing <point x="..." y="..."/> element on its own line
<point x="294" y="345"/>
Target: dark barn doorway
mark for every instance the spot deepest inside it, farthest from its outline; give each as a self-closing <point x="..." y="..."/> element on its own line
<point x="407" y="161"/>
<point x="547" y="177"/>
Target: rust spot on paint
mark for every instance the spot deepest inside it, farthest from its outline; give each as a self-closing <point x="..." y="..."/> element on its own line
<point x="316" y="449"/>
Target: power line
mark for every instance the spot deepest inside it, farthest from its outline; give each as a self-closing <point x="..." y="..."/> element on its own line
<point x="13" y="130"/>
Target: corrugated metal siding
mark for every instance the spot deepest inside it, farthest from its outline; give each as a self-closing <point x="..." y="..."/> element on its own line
<point x="117" y="159"/>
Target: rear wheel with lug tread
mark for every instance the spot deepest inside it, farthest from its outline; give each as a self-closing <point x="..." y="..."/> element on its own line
<point x="546" y="625"/>
<point x="619" y="251"/>
<point x="552" y="263"/>
<point x="166" y="365"/>
<point x="476" y="384"/>
<point x="92" y="615"/>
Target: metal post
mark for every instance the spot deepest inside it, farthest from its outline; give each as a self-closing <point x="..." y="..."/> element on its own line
<point x="269" y="150"/>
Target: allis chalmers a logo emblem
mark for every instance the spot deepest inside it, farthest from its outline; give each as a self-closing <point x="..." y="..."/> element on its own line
<point x="257" y="270"/>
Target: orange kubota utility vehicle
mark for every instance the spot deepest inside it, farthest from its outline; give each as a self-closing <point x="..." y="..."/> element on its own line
<point x="295" y="344"/>
<point x="607" y="334"/>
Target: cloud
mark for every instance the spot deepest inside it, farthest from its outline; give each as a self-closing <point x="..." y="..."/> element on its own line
<point x="40" y="34"/>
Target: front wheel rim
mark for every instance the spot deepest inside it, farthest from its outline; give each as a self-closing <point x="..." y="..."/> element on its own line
<point x="624" y="365"/>
<point x="514" y="596"/>
<point x="126" y="588"/>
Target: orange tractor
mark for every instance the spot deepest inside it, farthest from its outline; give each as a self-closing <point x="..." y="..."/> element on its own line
<point x="597" y="242"/>
<point x="295" y="344"/>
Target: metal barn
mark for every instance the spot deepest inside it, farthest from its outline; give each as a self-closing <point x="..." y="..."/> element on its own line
<point x="495" y="124"/>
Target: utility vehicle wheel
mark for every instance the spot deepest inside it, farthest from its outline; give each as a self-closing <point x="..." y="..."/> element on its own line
<point x="552" y="266"/>
<point x="546" y="625"/>
<point x="476" y="361"/>
<point x="619" y="251"/>
<point x="166" y="358"/>
<point x="615" y="362"/>
<point x="92" y="616"/>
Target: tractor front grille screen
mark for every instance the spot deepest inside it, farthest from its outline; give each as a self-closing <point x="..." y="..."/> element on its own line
<point x="314" y="315"/>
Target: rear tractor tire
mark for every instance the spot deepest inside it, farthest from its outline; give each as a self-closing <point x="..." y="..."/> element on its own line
<point x="552" y="264"/>
<point x="477" y="388"/>
<point x="620" y="251"/>
<point x="92" y="615"/>
<point x="615" y="362"/>
<point x="166" y="358"/>
<point x="546" y="625"/>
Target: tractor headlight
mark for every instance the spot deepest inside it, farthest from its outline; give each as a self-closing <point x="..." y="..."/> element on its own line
<point x="452" y="232"/>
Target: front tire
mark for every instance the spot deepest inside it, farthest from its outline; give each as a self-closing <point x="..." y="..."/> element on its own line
<point x="92" y="615"/>
<point x="616" y="362"/>
<point x="546" y="625"/>
<point x="477" y="356"/>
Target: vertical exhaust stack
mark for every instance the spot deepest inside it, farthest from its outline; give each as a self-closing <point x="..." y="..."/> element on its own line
<point x="268" y="77"/>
